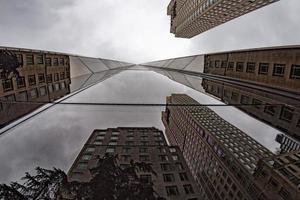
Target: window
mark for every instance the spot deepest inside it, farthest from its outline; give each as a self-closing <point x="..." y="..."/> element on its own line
<point x="144" y="143"/>
<point x="29" y="59"/>
<point x="21" y="82"/>
<point x="22" y="96"/>
<point x="295" y="72"/>
<point x="163" y="158"/>
<point x="62" y="61"/>
<point x="33" y="93"/>
<point x="114" y="137"/>
<point x="56" y="86"/>
<point x="115" y="133"/>
<point x="10" y="97"/>
<point x="49" y="78"/>
<point x="172" y="150"/>
<point x="62" y="75"/>
<point x="144" y="158"/>
<point x="112" y="143"/>
<point x="217" y="63"/>
<point x="179" y="166"/>
<point x="162" y="150"/>
<point x="245" y="99"/>
<point x="263" y="68"/>
<point x="86" y="157"/>
<point x="97" y="142"/>
<point x="50" y="88"/>
<point x="284" y="194"/>
<point x="62" y="85"/>
<point x="239" y="66"/>
<point x="145" y="179"/>
<point x="55" y="62"/>
<point x="224" y="64"/>
<point x="256" y="103"/>
<point x="143" y="150"/>
<point x="172" y="190"/>
<point x="31" y="80"/>
<point x="175" y="157"/>
<point x="20" y="58"/>
<point x="183" y="177"/>
<point x="144" y="137"/>
<point x="270" y="109"/>
<point x="41" y="78"/>
<point x="130" y="137"/>
<point x="43" y="91"/>
<point x="7" y="85"/>
<point x="250" y="67"/>
<point x="82" y="166"/>
<point x="286" y="113"/>
<point x="230" y="66"/>
<point x="165" y="167"/>
<point x="48" y="62"/>
<point x="110" y="150"/>
<point x="90" y="149"/>
<point x="56" y="77"/>
<point x="235" y="96"/>
<point x="188" y="189"/>
<point x="130" y="143"/>
<point x="169" y="177"/>
<point x="99" y="137"/>
<point x="126" y="149"/>
<point x="278" y="70"/>
<point x="40" y="59"/>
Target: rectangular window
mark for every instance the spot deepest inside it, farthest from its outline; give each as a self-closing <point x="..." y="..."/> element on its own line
<point x="115" y="133"/>
<point x="245" y="99"/>
<point x="278" y="69"/>
<point x="295" y="72"/>
<point x="29" y="59"/>
<point x="230" y="66"/>
<point x="62" y="61"/>
<point x="62" y="75"/>
<point x="125" y="158"/>
<point x="172" y="149"/>
<point x="217" y="63"/>
<point x="239" y="66"/>
<point x="86" y="157"/>
<point x="143" y="150"/>
<point x="175" y="157"/>
<point x="144" y="158"/>
<point x="50" y="88"/>
<point x="110" y="150"/>
<point x="256" y="103"/>
<point x="55" y="62"/>
<point x="223" y="64"/>
<point x="82" y="166"/>
<point x="250" y="67"/>
<point x="33" y="93"/>
<point x="56" y="77"/>
<point x="188" y="189"/>
<point x="31" y="80"/>
<point x="183" y="177"/>
<point x="270" y="109"/>
<point x="22" y="96"/>
<point x="56" y="86"/>
<point x="179" y="166"/>
<point x="10" y="97"/>
<point x="169" y="177"/>
<point x="235" y="96"/>
<point x="146" y="179"/>
<point x="49" y="78"/>
<point x="21" y="82"/>
<point x="40" y="59"/>
<point x="172" y="190"/>
<point x="165" y="167"/>
<point x="126" y="149"/>
<point x="41" y="78"/>
<point x="48" y="62"/>
<point x="7" y="85"/>
<point x="263" y="68"/>
<point x="43" y="91"/>
<point x="163" y="158"/>
<point x="20" y="58"/>
<point x="286" y="113"/>
<point x="113" y="143"/>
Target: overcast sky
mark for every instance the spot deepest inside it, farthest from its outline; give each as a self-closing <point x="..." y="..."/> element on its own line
<point x="136" y="30"/>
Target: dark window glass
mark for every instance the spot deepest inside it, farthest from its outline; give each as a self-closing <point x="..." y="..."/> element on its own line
<point x="223" y="64"/>
<point x="245" y="99"/>
<point x="143" y="150"/>
<point x="230" y="66"/>
<point x="48" y="62"/>
<point x="239" y="66"/>
<point x="49" y="78"/>
<point x="55" y="62"/>
<point x="56" y="77"/>
<point x="172" y="190"/>
<point x="211" y="64"/>
<point x="234" y="96"/>
<point x="286" y="113"/>
<point x="284" y="194"/>
<point x="179" y="166"/>
<point x="295" y="72"/>
<point x="263" y="68"/>
<point x="169" y="178"/>
<point x="144" y="158"/>
<point x="165" y="167"/>
<point x="29" y="59"/>
<point x="278" y="70"/>
<point x="145" y="179"/>
<point x="270" y="109"/>
<point x="256" y="103"/>
<point x="217" y="63"/>
<point x="31" y="80"/>
<point x="183" y="177"/>
<point x="250" y="67"/>
<point x="20" y="58"/>
<point x="40" y="59"/>
<point x="62" y="75"/>
<point x="41" y="78"/>
<point x="62" y="61"/>
<point x="21" y="82"/>
<point x="188" y="189"/>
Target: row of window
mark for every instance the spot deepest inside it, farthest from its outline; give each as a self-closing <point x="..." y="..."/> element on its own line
<point x="32" y="80"/>
<point x="41" y="59"/>
<point x="130" y="133"/>
<point x="263" y="68"/>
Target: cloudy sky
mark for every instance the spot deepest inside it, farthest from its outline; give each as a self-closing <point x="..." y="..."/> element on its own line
<point x="136" y="30"/>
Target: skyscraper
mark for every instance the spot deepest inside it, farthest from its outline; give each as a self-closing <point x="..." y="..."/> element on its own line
<point x="221" y="157"/>
<point x="190" y="18"/>
<point x="172" y="180"/>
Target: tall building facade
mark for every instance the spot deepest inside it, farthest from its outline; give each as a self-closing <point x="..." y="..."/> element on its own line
<point x="173" y="179"/>
<point x="190" y="18"/>
<point x="29" y="79"/>
<point x="221" y="157"/>
<point x="287" y="144"/>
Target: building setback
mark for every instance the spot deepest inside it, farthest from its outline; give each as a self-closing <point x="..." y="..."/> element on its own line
<point x="190" y="18"/>
<point x="221" y="157"/>
<point x="173" y="179"/>
<point x="29" y="79"/>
